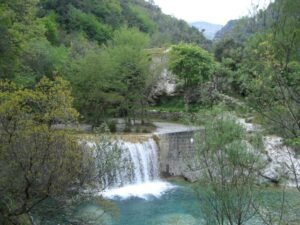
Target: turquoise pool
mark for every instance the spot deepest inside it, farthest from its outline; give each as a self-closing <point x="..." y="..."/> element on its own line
<point x="178" y="205"/>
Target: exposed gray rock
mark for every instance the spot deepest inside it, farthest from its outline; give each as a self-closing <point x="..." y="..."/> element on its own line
<point x="282" y="163"/>
<point x="164" y="81"/>
<point x="165" y="84"/>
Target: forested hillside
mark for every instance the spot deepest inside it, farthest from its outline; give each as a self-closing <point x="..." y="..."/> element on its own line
<point x="260" y="58"/>
<point x="102" y="48"/>
<point x="258" y="20"/>
<point x="94" y="44"/>
<point x="97" y="20"/>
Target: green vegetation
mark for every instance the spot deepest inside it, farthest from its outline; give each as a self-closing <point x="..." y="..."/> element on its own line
<point x="66" y="62"/>
<point x="192" y="65"/>
<point x="112" y="81"/>
<point x="265" y="68"/>
<point x="52" y="50"/>
<point x="99" y="46"/>
<point x="36" y="161"/>
<point x="229" y="170"/>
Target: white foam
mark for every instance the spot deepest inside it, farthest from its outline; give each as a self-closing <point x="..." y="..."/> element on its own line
<point x="144" y="190"/>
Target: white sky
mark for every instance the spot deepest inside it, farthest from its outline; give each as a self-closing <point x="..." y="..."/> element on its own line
<point x="213" y="11"/>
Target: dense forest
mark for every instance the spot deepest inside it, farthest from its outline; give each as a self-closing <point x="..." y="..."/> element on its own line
<point x="95" y="45"/>
<point x="262" y="55"/>
<point x="88" y="61"/>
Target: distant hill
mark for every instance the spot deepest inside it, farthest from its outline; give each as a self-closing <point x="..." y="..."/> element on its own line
<point x="238" y="30"/>
<point x="97" y="19"/>
<point x="210" y="29"/>
<point x="226" y="30"/>
<point x="241" y="29"/>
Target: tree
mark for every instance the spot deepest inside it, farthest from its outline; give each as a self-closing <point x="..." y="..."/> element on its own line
<point x="96" y="86"/>
<point x="36" y="161"/>
<point x="132" y="68"/>
<point x="112" y="80"/>
<point x="270" y="70"/>
<point x="192" y="65"/>
<point x="138" y="18"/>
<point x="17" y="25"/>
<point x="41" y="59"/>
<point x="229" y="166"/>
<point x="92" y="27"/>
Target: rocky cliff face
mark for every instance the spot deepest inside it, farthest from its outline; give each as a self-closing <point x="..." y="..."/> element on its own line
<point x="164" y="80"/>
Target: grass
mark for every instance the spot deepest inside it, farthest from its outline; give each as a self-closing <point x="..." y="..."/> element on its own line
<point x="174" y="104"/>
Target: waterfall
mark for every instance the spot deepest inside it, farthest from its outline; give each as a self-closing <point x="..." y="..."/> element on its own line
<point x="136" y="173"/>
<point x="138" y="164"/>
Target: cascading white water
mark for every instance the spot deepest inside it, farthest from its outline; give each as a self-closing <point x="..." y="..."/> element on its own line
<point x="141" y="166"/>
<point x="137" y="173"/>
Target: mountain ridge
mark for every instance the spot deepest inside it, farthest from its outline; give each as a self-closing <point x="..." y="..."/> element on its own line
<point x="209" y="29"/>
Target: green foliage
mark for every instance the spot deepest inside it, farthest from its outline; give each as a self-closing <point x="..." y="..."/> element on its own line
<point x="230" y="54"/>
<point x="270" y="72"/>
<point x="143" y="15"/>
<point x="190" y="63"/>
<point x="130" y="37"/>
<point x="96" y="86"/>
<point x="170" y="104"/>
<point x="265" y="67"/>
<point x="17" y="25"/>
<point x="228" y="49"/>
<point x="88" y="23"/>
<point x="132" y="66"/>
<point x="55" y="37"/>
<point x="229" y="167"/>
<point x="141" y="20"/>
<point x="113" y="80"/>
<point x="51" y="27"/>
<point x="110" y="11"/>
<point x="42" y="59"/>
<point x="36" y="161"/>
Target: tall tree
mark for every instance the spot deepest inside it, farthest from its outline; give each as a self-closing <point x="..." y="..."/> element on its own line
<point x="36" y="161"/>
<point x="192" y="65"/>
<point x="111" y="81"/>
<point x="229" y="166"/>
<point x="271" y="70"/>
<point x="96" y="86"/>
<point x="132" y="68"/>
<point x="18" y="24"/>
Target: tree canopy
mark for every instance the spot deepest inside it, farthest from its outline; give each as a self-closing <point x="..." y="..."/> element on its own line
<point x="190" y="63"/>
<point x="36" y="161"/>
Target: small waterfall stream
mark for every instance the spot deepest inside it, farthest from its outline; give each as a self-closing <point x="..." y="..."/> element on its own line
<point x="144" y="159"/>
<point x="137" y="173"/>
<point x="138" y="164"/>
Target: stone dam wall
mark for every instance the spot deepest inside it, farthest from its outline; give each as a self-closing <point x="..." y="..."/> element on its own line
<point x="177" y="155"/>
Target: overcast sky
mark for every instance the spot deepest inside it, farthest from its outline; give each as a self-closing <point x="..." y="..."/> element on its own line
<point x="213" y="11"/>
